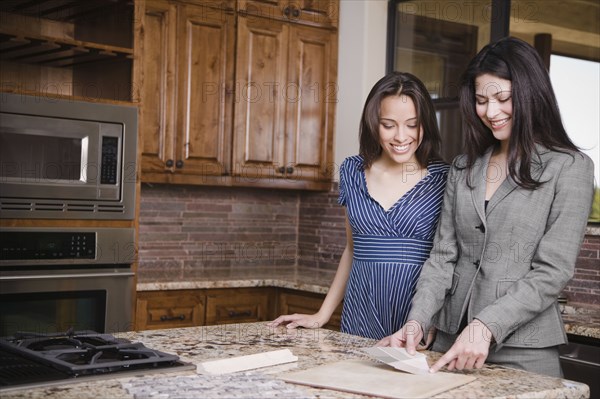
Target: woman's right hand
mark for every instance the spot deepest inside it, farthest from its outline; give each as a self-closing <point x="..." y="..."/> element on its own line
<point x="407" y="337"/>
<point x="299" y="320"/>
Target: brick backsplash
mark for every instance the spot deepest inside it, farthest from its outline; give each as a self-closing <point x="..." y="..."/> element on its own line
<point x="185" y="230"/>
<point x="321" y="230"/>
<point x="584" y="287"/>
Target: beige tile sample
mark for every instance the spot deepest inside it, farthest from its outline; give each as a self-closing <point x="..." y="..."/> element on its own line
<point x="375" y="379"/>
<point x="247" y="362"/>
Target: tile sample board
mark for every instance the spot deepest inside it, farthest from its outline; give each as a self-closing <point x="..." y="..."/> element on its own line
<point x="375" y="379"/>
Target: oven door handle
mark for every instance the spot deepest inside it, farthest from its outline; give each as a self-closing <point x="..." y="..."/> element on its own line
<point x="62" y="276"/>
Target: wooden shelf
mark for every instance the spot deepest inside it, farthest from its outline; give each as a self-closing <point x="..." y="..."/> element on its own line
<point x="64" y="10"/>
<point x="75" y="48"/>
<point x="56" y="53"/>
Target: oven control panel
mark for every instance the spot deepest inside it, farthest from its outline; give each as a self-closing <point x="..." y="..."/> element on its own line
<point x="45" y="246"/>
<point x="25" y="245"/>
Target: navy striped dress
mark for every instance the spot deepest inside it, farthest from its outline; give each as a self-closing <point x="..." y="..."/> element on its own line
<point x="390" y="247"/>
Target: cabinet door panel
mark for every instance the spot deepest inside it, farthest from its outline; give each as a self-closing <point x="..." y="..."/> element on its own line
<point x="310" y="111"/>
<point x="206" y="43"/>
<point x="157" y="115"/>
<point x="169" y="309"/>
<point x="260" y="103"/>
<point x="241" y="305"/>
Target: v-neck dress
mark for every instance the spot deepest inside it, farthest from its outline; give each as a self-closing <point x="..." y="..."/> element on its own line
<point x="390" y="247"/>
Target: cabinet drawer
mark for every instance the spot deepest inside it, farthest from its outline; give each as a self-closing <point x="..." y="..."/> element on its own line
<point x="238" y="306"/>
<point x="169" y="309"/>
<point x="321" y="13"/>
<point x="291" y="302"/>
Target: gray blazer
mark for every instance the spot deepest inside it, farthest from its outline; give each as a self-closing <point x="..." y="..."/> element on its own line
<point x="506" y="265"/>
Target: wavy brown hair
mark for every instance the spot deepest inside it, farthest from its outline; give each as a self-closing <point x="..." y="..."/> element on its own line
<point x="396" y="84"/>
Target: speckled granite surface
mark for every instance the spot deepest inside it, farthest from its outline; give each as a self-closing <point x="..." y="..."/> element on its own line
<point x="308" y="280"/>
<point x="584" y="321"/>
<point x="578" y="320"/>
<point x="313" y="348"/>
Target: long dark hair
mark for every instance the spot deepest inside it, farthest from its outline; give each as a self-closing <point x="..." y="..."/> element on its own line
<point x="535" y="114"/>
<point x="395" y="84"/>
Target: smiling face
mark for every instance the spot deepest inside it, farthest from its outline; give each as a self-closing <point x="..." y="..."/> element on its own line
<point x="399" y="133"/>
<point x="493" y="104"/>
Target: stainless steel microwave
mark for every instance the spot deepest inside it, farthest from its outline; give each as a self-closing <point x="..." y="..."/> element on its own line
<point x="66" y="159"/>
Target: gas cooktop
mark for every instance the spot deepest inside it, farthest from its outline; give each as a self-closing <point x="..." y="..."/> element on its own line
<point x="33" y="360"/>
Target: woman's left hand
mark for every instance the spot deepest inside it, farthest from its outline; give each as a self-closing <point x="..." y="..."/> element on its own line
<point x="470" y="349"/>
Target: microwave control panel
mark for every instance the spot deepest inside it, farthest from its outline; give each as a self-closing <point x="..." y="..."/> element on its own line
<point x="110" y="161"/>
<point x="29" y="245"/>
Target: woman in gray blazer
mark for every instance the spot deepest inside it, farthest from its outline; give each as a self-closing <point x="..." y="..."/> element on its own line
<point x="513" y="219"/>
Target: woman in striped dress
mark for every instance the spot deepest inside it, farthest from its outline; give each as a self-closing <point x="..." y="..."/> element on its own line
<point x="392" y="192"/>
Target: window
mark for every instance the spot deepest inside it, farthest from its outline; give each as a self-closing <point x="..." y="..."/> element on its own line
<point x="436" y="39"/>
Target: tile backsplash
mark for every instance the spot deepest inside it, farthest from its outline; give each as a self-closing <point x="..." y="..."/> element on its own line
<point x="185" y="230"/>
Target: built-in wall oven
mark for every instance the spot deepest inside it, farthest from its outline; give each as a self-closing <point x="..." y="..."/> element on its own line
<point x="53" y="280"/>
<point x="72" y="163"/>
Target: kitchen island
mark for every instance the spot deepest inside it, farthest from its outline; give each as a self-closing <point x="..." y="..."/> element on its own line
<point x="312" y="347"/>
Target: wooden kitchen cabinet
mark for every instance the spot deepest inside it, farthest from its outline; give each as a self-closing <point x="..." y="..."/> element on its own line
<point x="196" y="307"/>
<point x="186" y="80"/>
<point x="284" y="109"/>
<point x="74" y="49"/>
<point x="238" y="93"/>
<point x="170" y="309"/>
<point x="293" y="301"/>
<point x="239" y="305"/>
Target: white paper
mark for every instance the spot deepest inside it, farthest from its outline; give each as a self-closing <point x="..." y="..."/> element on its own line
<point x="400" y="359"/>
<point x="248" y="362"/>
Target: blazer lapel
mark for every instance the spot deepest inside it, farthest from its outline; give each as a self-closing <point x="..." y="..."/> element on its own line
<point x="508" y="185"/>
<point x="478" y="173"/>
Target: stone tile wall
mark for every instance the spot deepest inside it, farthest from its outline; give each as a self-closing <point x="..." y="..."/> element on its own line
<point x="321" y="231"/>
<point x="185" y="230"/>
<point x="584" y="287"/>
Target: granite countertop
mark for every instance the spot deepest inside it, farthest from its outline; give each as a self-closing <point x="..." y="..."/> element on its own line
<point x="582" y="321"/>
<point x="579" y="320"/>
<point x="315" y="281"/>
<point x="312" y="347"/>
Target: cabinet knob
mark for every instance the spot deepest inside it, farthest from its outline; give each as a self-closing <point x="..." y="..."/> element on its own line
<point x="172" y="318"/>
<point x="294" y="12"/>
<point x="281" y="169"/>
<point x="289" y="170"/>
<point x="179" y="164"/>
<point x="169" y="163"/>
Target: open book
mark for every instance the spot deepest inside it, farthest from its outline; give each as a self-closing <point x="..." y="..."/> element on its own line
<point x="400" y="359"/>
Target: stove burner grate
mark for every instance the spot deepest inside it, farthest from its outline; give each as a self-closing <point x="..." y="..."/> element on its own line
<point x="85" y="352"/>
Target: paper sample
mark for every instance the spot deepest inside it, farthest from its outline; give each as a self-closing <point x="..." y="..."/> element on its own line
<point x="400" y="359"/>
<point x="248" y="362"/>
